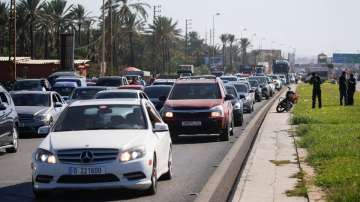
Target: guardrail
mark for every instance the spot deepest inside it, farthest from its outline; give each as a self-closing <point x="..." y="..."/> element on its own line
<point x="221" y="182"/>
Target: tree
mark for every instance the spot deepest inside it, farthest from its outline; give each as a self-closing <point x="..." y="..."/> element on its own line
<point x="31" y="12"/>
<point x="4" y="11"/>
<point x="127" y="8"/>
<point x="244" y="44"/>
<point x="231" y="39"/>
<point x="224" y="39"/>
<point x="79" y="16"/>
<point x="165" y="31"/>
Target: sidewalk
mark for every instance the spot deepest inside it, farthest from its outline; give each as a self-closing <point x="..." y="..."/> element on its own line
<point x="272" y="162"/>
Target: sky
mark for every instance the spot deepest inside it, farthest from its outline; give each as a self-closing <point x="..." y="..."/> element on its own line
<point x="308" y="26"/>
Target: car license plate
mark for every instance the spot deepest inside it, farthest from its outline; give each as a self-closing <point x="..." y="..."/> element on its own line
<point x="86" y="171"/>
<point x="191" y="123"/>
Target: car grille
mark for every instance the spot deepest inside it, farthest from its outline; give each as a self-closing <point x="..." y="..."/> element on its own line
<point x="98" y="155"/>
<point x="84" y="179"/>
<point x="187" y="115"/>
<point x="26" y="117"/>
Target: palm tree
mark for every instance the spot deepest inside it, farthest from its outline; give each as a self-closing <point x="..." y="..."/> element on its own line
<point x="126" y="8"/>
<point x="244" y="44"/>
<point x="231" y="38"/>
<point x="79" y="16"/>
<point x="132" y="26"/>
<point x="60" y="18"/>
<point x="224" y="39"/>
<point x="4" y="11"/>
<point x="30" y="11"/>
<point x="164" y="31"/>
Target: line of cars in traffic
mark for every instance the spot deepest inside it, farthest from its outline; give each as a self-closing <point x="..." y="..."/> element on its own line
<point x="116" y="135"/>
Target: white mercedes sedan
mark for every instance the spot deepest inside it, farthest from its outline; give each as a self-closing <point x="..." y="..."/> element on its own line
<point x="103" y="144"/>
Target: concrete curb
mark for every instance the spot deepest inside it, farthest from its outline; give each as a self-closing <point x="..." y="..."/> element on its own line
<point x="221" y="182"/>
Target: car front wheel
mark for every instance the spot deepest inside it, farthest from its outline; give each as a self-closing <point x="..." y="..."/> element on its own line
<point x="153" y="188"/>
<point x="169" y="174"/>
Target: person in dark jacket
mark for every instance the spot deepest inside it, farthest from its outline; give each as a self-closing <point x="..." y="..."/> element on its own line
<point x="343" y="88"/>
<point x="316" y="82"/>
<point x="351" y="88"/>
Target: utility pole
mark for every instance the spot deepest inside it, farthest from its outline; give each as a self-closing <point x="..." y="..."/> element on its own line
<point x="12" y="36"/>
<point x="103" y="63"/>
<point x="111" y="38"/>
<point x="156" y="10"/>
<point x="213" y="35"/>
<point x="187" y="23"/>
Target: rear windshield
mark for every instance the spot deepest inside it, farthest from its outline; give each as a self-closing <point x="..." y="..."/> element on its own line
<point x="63" y="91"/>
<point x="112" y="82"/>
<point x="113" y="95"/>
<point x="27" y="85"/>
<point x="254" y="83"/>
<point x="157" y="92"/>
<point x="242" y="88"/>
<point x="85" y="94"/>
<point x="31" y="99"/>
<point x="228" y="78"/>
<point x="195" y="91"/>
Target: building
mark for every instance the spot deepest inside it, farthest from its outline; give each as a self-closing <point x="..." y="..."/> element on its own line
<point x="322" y="58"/>
<point x="28" y="68"/>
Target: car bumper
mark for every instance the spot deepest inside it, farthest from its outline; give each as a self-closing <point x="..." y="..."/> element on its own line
<point x="114" y="176"/>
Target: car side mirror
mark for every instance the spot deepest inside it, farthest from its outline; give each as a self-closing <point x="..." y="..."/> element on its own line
<point x="44" y="130"/>
<point x="229" y="97"/>
<point x="2" y="107"/>
<point x="162" y="98"/>
<point x="161" y="127"/>
<point x="58" y="104"/>
<point x="242" y="96"/>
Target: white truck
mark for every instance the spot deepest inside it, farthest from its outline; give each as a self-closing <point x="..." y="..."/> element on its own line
<point x="185" y="70"/>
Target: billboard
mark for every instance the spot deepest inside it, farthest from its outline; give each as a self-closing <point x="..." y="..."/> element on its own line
<point x="346" y="58"/>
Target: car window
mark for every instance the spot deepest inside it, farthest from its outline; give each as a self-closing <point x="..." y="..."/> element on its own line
<point x="231" y="91"/>
<point x="157" y="92"/>
<point x="31" y="99"/>
<point x="195" y="91"/>
<point x="85" y="94"/>
<point x="3" y="98"/>
<point x="59" y="98"/>
<point x="27" y="85"/>
<point x="54" y="98"/>
<point x="112" y="82"/>
<point x="241" y="88"/>
<point x="153" y="115"/>
<point x="101" y="117"/>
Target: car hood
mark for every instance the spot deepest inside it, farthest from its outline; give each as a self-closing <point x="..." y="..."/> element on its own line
<point x="120" y="139"/>
<point x="193" y="104"/>
<point x="31" y="110"/>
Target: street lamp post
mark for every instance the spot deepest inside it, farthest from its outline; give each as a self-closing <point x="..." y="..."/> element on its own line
<point x="103" y="64"/>
<point x="213" y="36"/>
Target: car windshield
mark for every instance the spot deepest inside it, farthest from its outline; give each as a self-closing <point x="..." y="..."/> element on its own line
<point x="157" y="92"/>
<point x="31" y="99"/>
<point x="101" y="117"/>
<point x="64" y="91"/>
<point x="27" y="85"/>
<point x="254" y="83"/>
<point x="77" y="81"/>
<point x="112" y="82"/>
<point x="195" y="91"/>
<point x="85" y="94"/>
<point x="242" y="88"/>
<point x="231" y="91"/>
<point x="113" y="95"/>
<point x="228" y="78"/>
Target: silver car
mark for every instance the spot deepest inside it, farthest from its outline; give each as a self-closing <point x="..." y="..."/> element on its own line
<point x="37" y="109"/>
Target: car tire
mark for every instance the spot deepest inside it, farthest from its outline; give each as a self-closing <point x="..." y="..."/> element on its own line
<point x="15" y="142"/>
<point x="225" y="134"/>
<point x="169" y="174"/>
<point x="239" y="120"/>
<point x="267" y="96"/>
<point x="232" y="127"/>
<point x="153" y="188"/>
<point x="252" y="108"/>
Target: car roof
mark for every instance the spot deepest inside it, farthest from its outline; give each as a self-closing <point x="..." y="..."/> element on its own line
<point x="30" y="80"/>
<point x="65" y="84"/>
<point x="31" y="92"/>
<point x="92" y="87"/>
<point x="65" y="73"/>
<point x="106" y="102"/>
<point x="165" y="80"/>
<point x="121" y="91"/>
<point x="111" y="77"/>
<point x="69" y="77"/>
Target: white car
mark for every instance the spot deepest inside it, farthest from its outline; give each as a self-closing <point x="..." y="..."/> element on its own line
<point x="103" y="144"/>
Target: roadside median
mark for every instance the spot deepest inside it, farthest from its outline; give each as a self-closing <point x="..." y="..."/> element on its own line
<point x="221" y="182"/>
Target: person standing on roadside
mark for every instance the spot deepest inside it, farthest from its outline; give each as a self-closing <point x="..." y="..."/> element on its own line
<point x="343" y="88"/>
<point x="316" y="82"/>
<point x="351" y="88"/>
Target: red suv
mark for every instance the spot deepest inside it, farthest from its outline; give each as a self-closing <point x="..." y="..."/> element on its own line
<point x="199" y="106"/>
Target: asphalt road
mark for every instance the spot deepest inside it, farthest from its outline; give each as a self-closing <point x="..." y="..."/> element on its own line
<point x="195" y="159"/>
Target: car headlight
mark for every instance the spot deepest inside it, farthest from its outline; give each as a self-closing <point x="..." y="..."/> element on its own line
<point x="237" y="106"/>
<point x="217" y="111"/>
<point x="169" y="114"/>
<point x="45" y="156"/>
<point x="132" y="154"/>
<point x="43" y="117"/>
